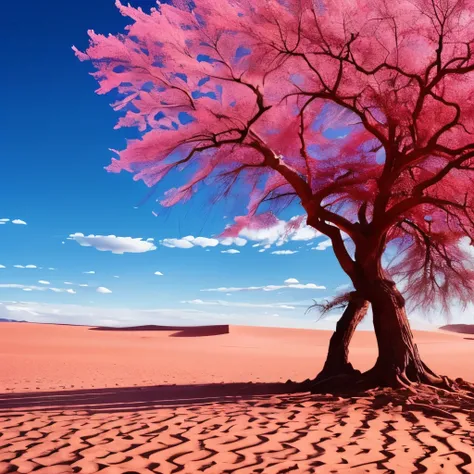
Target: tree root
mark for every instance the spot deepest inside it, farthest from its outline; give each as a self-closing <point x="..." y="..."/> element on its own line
<point x="431" y="394"/>
<point x="435" y="395"/>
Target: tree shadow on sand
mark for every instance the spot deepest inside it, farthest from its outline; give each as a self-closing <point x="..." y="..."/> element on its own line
<point x="112" y="400"/>
<point x="126" y="399"/>
<point x="232" y="427"/>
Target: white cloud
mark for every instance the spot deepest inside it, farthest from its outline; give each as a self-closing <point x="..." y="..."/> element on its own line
<point x="158" y="273"/>
<point x="3" y="266"/>
<point x="63" y="290"/>
<point x="231" y="251"/>
<point x="4" y="220"/>
<point x="262" y="250"/>
<point x="44" y="282"/>
<point x="91" y="272"/>
<point x="305" y="233"/>
<point x="344" y="287"/>
<point x="116" y="276"/>
<point x="296" y="286"/>
<point x="76" y="284"/>
<point x="284" y="252"/>
<point x="233" y="241"/>
<point x="183" y="243"/>
<point x="112" y="243"/>
<point x="103" y="290"/>
<point x="239" y="305"/>
<point x="30" y="267"/>
<point x="279" y="233"/>
<point x="204" y="242"/>
<point x="18" y="222"/>
<point x="51" y="268"/>
<point x="325" y="244"/>
<point x="35" y="288"/>
<point x="190" y="241"/>
<point x="291" y="281"/>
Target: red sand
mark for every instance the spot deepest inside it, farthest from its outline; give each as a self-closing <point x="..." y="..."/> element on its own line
<point x="52" y="357"/>
<point x="56" y="417"/>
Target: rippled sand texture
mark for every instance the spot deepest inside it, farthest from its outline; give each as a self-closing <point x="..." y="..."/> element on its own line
<point x="247" y="434"/>
<point x="79" y="401"/>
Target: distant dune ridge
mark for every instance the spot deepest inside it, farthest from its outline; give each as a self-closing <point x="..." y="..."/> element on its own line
<point x="459" y="328"/>
<point x="181" y="331"/>
<point x="141" y="400"/>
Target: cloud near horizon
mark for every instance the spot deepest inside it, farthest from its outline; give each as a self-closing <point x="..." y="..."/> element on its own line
<point x="114" y="244"/>
<point x="83" y="285"/>
<point x="231" y="304"/>
<point x="123" y="317"/>
<point x="288" y="284"/>
<point x="37" y="288"/>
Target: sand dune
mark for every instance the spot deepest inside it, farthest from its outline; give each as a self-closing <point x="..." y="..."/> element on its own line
<point x="180" y="331"/>
<point x="79" y="401"/>
<point x="459" y="328"/>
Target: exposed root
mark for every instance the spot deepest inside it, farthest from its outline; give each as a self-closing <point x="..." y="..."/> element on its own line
<point x="434" y="395"/>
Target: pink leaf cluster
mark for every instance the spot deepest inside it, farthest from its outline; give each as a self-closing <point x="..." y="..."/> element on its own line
<point x="361" y="110"/>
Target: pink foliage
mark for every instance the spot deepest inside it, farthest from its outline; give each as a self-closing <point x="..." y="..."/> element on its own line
<point x="248" y="94"/>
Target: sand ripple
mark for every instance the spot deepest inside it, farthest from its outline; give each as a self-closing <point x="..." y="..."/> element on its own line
<point x="267" y="434"/>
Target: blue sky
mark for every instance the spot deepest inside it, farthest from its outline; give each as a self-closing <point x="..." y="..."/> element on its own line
<point x="55" y="137"/>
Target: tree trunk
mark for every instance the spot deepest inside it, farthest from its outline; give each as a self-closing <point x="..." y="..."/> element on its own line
<point x="337" y="360"/>
<point x="399" y="361"/>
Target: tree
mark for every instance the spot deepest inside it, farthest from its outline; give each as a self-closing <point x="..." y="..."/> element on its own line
<point x="355" y="309"/>
<point x="243" y="94"/>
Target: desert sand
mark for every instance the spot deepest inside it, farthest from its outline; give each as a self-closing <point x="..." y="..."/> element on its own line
<point x="79" y="400"/>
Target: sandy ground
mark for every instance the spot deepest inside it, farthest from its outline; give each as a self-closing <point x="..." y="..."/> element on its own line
<point x="75" y="400"/>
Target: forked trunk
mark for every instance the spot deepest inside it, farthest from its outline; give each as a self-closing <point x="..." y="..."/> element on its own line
<point x="337" y="360"/>
<point x="399" y="361"/>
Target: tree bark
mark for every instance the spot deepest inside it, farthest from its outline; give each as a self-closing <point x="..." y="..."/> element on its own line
<point x="399" y="362"/>
<point x="337" y="360"/>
